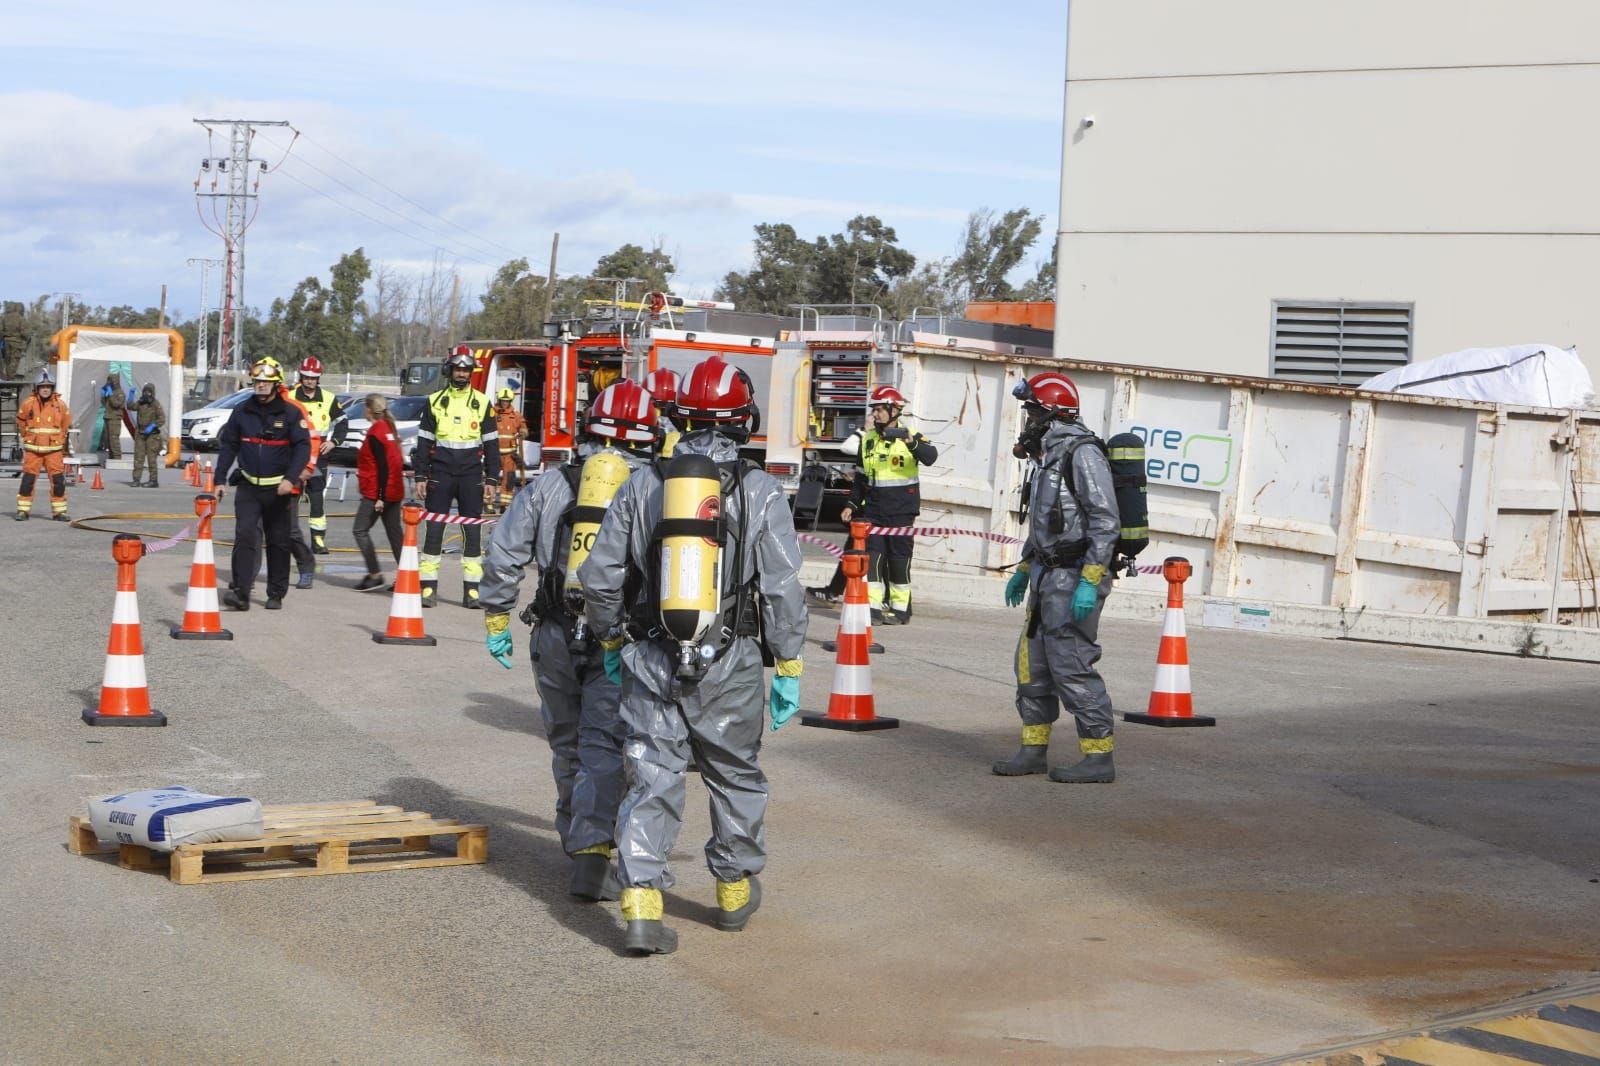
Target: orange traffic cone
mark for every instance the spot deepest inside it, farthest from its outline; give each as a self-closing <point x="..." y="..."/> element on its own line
<point x="211" y="482"/>
<point x="202" y="618"/>
<point x="98" y="484"/>
<point x="850" y="704"/>
<point x="1171" y="703"/>
<point x="124" y="694"/>
<point x="188" y="472"/>
<point x="858" y="543"/>
<point x="405" y="609"/>
<point x="82" y="477"/>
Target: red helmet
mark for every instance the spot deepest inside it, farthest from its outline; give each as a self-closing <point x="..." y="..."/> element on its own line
<point x="715" y="391"/>
<point x="461" y="357"/>
<point x="1052" y="391"/>
<point x="885" y="395"/>
<point x="622" y="412"/>
<point x="311" y="367"/>
<point x="662" y="385"/>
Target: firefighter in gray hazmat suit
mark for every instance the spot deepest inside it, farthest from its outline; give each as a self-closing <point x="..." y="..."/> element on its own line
<point x="701" y="695"/>
<point x="1065" y="576"/>
<point x="552" y="522"/>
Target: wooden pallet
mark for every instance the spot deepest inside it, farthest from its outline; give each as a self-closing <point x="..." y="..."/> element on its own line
<point x="304" y="840"/>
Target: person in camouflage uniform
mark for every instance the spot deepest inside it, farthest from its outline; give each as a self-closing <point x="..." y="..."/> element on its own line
<point x="14" y="338"/>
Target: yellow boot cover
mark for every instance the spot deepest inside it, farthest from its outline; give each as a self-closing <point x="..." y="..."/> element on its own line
<point x="1036" y="736"/>
<point x="594" y="849"/>
<point x="731" y="895"/>
<point x="641" y="904"/>
<point x="1090" y="746"/>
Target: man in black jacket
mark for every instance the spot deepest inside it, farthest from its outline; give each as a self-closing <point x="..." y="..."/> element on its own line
<point x="270" y="441"/>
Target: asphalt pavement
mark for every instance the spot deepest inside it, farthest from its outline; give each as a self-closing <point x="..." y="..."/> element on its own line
<point x="1371" y="837"/>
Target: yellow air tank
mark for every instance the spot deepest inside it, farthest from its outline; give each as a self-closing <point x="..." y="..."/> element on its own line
<point x="603" y="474"/>
<point x="691" y="549"/>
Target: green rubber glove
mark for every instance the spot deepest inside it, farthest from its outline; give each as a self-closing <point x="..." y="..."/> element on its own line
<point x="784" y="701"/>
<point x="1017" y="587"/>
<point x="1084" y="599"/>
<point x="613" y="664"/>
<point x="497" y="637"/>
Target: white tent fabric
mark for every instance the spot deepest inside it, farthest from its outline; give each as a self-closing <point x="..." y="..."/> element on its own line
<point x="1530" y="375"/>
<point x="138" y="359"/>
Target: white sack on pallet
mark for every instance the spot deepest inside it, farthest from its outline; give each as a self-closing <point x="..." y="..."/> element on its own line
<point x="163" y="818"/>
<point x="1529" y="375"/>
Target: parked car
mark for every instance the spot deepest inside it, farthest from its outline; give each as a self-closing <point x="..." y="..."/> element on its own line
<point x="201" y="426"/>
<point x="407" y="412"/>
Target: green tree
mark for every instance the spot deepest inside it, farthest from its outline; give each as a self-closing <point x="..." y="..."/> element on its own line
<point x="513" y="305"/>
<point x="991" y="248"/>
<point x="859" y="265"/>
<point x="654" y="267"/>
<point x="781" y="274"/>
<point x="1042" y="286"/>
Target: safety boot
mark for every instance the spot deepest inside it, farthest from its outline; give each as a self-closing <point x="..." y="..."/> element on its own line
<point x="306" y="577"/>
<point x="319" y="543"/>
<point x="646" y="935"/>
<point x="1094" y="769"/>
<point x="469" y="598"/>
<point x="234" y="601"/>
<point x="593" y="877"/>
<point x="151" y="484"/>
<point x="736" y="902"/>
<point x="430" y="595"/>
<point x="61" y="516"/>
<point x="21" y="516"/>
<point x="878" y="618"/>
<point x="1030" y="758"/>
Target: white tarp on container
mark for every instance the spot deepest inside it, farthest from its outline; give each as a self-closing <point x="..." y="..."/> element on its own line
<point x="1530" y="375"/>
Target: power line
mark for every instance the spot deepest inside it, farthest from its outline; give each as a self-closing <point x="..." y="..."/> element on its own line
<point x="407" y="199"/>
<point x="302" y="161"/>
<point x="380" y="222"/>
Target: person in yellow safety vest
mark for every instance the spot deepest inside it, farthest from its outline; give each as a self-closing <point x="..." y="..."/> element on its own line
<point x="513" y="430"/>
<point x="887" y="493"/>
<point x="44" y="425"/>
<point x="458" y="450"/>
<point x="329" y="424"/>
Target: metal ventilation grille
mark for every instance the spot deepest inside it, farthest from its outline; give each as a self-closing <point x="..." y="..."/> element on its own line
<point x="1338" y="343"/>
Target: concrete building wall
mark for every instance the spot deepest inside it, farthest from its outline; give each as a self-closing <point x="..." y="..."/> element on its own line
<point x="1443" y="153"/>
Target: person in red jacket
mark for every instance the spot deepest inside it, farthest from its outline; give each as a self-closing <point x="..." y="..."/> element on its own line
<point x="380" y="469"/>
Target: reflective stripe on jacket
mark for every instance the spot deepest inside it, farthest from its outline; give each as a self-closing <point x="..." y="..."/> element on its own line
<point x="44" y="424"/>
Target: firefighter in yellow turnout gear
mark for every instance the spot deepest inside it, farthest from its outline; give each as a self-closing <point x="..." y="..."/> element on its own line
<point x="458" y="451"/>
<point x="328" y="425"/>
<point x="888" y="492"/>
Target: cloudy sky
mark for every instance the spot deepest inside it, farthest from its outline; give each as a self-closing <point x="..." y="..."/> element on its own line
<point x="472" y="131"/>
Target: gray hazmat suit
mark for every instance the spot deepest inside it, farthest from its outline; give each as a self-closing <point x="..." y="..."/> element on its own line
<point x="577" y="702"/>
<point x="1056" y="655"/>
<point x="718" y="717"/>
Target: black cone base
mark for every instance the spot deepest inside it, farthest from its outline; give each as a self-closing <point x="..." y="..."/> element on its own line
<point x="426" y="642"/>
<point x="179" y="634"/>
<point x="850" y="725"/>
<point x="1167" y="720"/>
<point x="94" y="717"/>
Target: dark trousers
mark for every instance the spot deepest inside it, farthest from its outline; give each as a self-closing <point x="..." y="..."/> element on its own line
<point x="315" y="494"/>
<point x="299" y="547"/>
<point x="258" y="510"/>
<point x="889" y="558"/>
<point x="466" y="492"/>
<point x="367" y="515"/>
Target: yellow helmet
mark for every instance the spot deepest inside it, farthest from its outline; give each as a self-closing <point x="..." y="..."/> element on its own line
<point x="266" y="370"/>
<point x="505" y="394"/>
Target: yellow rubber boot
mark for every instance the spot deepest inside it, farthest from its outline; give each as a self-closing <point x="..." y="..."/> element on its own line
<point x="646" y="935"/>
<point x="736" y="902"/>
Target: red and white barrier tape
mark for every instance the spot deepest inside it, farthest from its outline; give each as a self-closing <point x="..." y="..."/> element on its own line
<point x="170" y="542"/>
<point x="935" y="531"/>
<point x="457" y="520"/>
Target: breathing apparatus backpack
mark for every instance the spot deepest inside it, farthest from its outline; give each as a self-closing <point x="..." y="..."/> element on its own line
<point x="1125" y="453"/>
<point x="703" y="597"/>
